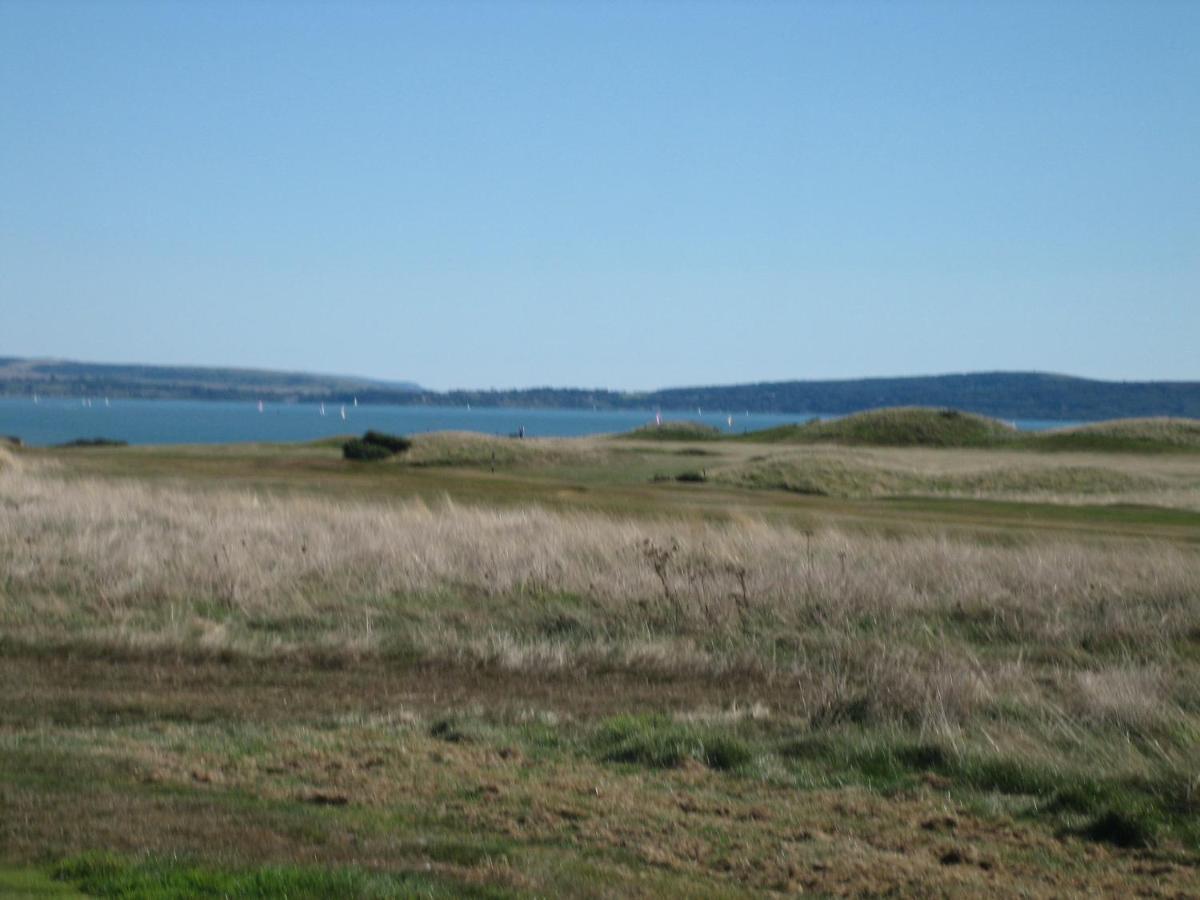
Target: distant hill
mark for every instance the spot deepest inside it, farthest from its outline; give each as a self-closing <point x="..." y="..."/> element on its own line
<point x="65" y="378"/>
<point x="1004" y="395"/>
<point x="914" y="426"/>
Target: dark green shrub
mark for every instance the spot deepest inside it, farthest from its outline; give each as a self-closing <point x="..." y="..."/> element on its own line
<point x="390" y="442"/>
<point x="1129" y="828"/>
<point x="694" y="477"/>
<point x="360" y="451"/>
<point x="374" y="445"/>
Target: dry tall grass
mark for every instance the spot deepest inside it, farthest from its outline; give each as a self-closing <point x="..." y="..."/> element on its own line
<point x="928" y="629"/>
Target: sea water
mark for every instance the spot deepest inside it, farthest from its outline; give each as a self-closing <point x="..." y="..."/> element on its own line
<point x="55" y="420"/>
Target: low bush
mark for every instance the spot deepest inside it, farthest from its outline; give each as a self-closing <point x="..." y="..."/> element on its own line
<point x="658" y="742"/>
<point x="360" y="451"/>
<point x="392" y="442"/>
<point x="373" y="446"/>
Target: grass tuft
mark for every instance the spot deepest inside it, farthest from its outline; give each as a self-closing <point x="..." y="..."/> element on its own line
<point x="658" y="742"/>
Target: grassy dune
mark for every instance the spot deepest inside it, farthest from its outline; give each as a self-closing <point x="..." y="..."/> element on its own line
<point x="1068" y="480"/>
<point x="1130" y="435"/>
<point x="924" y="427"/>
<point x="899" y="427"/>
<point x="461" y="448"/>
<point x="257" y="671"/>
<point x="675" y="431"/>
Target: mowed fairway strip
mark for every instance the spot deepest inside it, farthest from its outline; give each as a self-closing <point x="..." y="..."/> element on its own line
<point x="599" y="667"/>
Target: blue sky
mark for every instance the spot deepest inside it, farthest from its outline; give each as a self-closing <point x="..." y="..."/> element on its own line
<point x="627" y="195"/>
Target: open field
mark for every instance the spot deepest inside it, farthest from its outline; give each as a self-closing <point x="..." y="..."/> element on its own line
<point x="508" y="668"/>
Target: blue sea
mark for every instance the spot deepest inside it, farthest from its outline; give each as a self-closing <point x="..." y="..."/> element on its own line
<point x="57" y="420"/>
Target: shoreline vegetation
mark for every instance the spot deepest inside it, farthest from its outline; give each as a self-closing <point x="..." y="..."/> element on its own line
<point x="500" y="667"/>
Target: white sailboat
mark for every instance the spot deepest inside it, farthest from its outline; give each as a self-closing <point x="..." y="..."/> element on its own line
<point x="343" y="412"/>
<point x="35" y="397"/>
<point x="658" y="417"/>
<point x="356" y="401"/>
<point x="322" y="409"/>
<point x="106" y="404"/>
<point x="260" y="406"/>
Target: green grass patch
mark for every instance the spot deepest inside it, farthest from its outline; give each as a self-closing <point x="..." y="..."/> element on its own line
<point x="33" y="883"/>
<point x="106" y="875"/>
<point x="659" y="742"/>
<point x="1120" y="809"/>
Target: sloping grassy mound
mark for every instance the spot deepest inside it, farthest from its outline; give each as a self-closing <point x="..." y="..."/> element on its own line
<point x="1125" y="435"/>
<point x="817" y="472"/>
<point x="819" y="476"/>
<point x="675" y="431"/>
<point x="328" y="443"/>
<point x="1056" y="480"/>
<point x="908" y="426"/>
<point x="466" y="448"/>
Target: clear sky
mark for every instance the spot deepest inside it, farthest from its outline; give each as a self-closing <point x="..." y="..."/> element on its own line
<point x="627" y="195"/>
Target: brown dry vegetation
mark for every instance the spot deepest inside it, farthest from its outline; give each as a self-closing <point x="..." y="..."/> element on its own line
<point x="345" y="680"/>
<point x="95" y="561"/>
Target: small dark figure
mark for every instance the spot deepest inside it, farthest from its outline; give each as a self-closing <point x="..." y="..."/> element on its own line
<point x="521" y="432"/>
